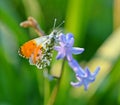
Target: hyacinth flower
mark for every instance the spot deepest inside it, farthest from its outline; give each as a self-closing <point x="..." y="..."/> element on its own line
<point x="85" y="79"/>
<point x="66" y="49"/>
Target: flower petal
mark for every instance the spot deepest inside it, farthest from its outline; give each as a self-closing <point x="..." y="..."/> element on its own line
<point x="70" y="39"/>
<point x="87" y="71"/>
<point x="78" y="78"/>
<point x="76" y="50"/>
<point x="57" y="48"/>
<point x="76" y="67"/>
<point x="62" y="38"/>
<point x="87" y="79"/>
<point x="76" y="84"/>
<point x="69" y="36"/>
<point x="69" y="56"/>
<point x="86" y="85"/>
<point x="96" y="71"/>
<point x="60" y="56"/>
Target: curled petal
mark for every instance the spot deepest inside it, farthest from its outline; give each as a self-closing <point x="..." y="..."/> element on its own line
<point x="76" y="84"/>
<point x="76" y="50"/>
<point x="60" y="56"/>
<point x="78" y="78"/>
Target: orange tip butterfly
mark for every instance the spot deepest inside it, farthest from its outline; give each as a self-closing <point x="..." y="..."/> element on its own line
<point x="39" y="50"/>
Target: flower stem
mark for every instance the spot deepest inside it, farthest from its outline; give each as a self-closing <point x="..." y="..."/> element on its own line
<point x="54" y="93"/>
<point x="46" y="90"/>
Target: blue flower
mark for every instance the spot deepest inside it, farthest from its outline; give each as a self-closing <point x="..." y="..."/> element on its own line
<point x="66" y="48"/>
<point x="84" y="77"/>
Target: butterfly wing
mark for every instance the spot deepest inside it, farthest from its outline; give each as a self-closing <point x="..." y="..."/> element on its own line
<point x="42" y="54"/>
<point x="38" y="51"/>
<point x="28" y="48"/>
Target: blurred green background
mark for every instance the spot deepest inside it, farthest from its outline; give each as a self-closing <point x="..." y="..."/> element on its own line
<point x="95" y="25"/>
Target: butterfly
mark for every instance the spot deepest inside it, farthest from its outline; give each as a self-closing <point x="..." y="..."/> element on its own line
<point x="39" y="50"/>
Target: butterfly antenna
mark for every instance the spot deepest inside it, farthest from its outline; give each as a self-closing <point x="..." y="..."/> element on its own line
<point x="60" y="24"/>
<point x="59" y="32"/>
<point x="54" y="23"/>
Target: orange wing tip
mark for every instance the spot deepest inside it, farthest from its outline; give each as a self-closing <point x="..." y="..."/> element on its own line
<point x="20" y="53"/>
<point x="27" y="49"/>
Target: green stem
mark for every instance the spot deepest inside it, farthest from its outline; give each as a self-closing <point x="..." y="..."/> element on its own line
<point x="54" y="93"/>
<point x="46" y="88"/>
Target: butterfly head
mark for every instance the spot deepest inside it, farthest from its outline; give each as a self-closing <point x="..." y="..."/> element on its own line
<point x="56" y="32"/>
